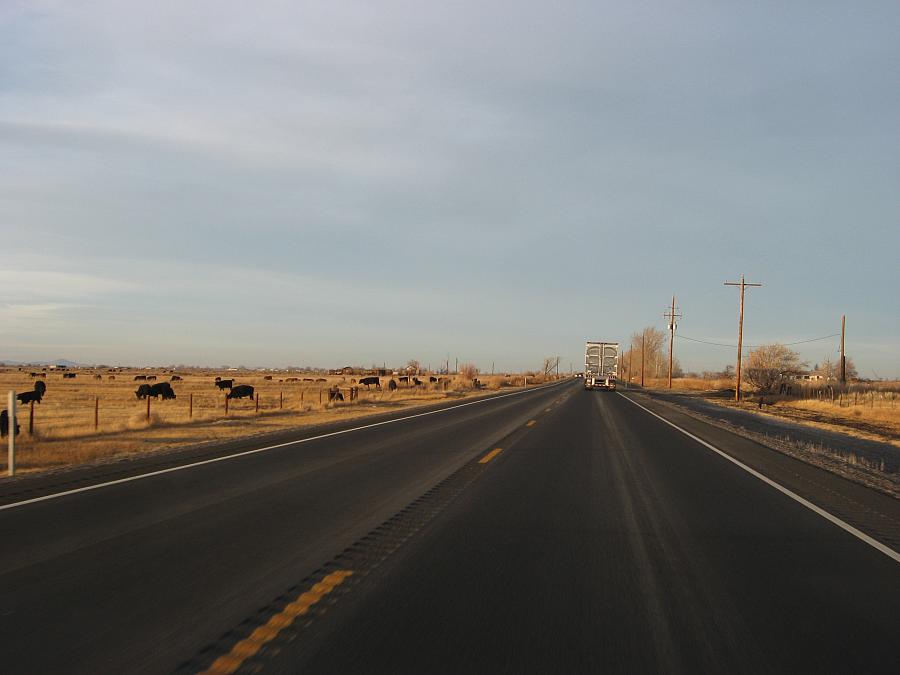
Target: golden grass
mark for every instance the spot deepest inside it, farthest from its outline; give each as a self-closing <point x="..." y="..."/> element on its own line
<point x="689" y="383"/>
<point x="64" y="430"/>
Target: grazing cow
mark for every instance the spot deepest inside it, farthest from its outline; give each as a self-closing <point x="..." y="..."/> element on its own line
<point x="4" y="424"/>
<point x="308" y="379"/>
<point x="267" y="377"/>
<point x="151" y="377"/>
<point x="241" y="391"/>
<point x="112" y="377"/>
<point x="140" y="377"/>
<point x="225" y="384"/>
<point x="392" y="385"/>
<point x="334" y="394"/>
<point x="417" y="382"/>
<point x="176" y="378"/>
<point x="370" y="380"/>
<point x="321" y="379"/>
<point x="98" y="377"/>
<point x="432" y="378"/>
<point x="163" y="389"/>
<point x="404" y="378"/>
<point x="292" y="379"/>
<point x="68" y="376"/>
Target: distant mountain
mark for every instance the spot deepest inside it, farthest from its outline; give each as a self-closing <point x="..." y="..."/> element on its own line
<point x="58" y="362"/>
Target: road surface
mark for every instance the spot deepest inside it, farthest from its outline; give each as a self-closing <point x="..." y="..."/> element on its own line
<point x="555" y="530"/>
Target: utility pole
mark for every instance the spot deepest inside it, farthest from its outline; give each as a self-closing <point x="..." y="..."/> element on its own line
<point x="643" y="339"/>
<point x="743" y="284"/>
<point x="671" y="316"/>
<point x="843" y="358"/>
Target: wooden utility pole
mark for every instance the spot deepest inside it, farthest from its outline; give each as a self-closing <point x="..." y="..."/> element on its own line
<point x="743" y="284"/>
<point x="671" y="316"/>
<point x="843" y="357"/>
<point x="643" y="340"/>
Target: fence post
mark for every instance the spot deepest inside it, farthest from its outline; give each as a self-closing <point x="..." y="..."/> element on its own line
<point x="320" y="396"/>
<point x="96" y="412"/>
<point x="191" y="407"/>
<point x="257" y="402"/>
<point x="31" y="420"/>
<point x="280" y="400"/>
<point x="148" y="410"/>
<point x="11" y="418"/>
<point x="226" y="404"/>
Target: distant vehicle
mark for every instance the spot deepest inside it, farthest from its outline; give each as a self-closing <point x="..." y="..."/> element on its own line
<point x="601" y="365"/>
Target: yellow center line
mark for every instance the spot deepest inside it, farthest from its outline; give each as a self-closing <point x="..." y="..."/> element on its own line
<point x="250" y="645"/>
<point x="488" y="457"/>
<point x="531" y="423"/>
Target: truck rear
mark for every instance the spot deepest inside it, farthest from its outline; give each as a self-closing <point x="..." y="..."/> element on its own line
<point x="601" y="365"/>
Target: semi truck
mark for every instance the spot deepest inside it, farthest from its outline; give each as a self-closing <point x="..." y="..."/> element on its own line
<point x="601" y="365"/>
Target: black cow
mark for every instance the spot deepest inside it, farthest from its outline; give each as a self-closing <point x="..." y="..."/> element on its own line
<point x="36" y="395"/>
<point x="267" y="377"/>
<point x="404" y="378"/>
<point x="140" y="377"/>
<point x="241" y="391"/>
<point x="176" y="378"/>
<point x="417" y="382"/>
<point x="224" y="384"/>
<point x="432" y="379"/>
<point x="392" y="385"/>
<point x="4" y="424"/>
<point x="163" y="389"/>
<point x="68" y="376"/>
<point x="320" y="379"/>
<point x="370" y="380"/>
<point x="151" y="377"/>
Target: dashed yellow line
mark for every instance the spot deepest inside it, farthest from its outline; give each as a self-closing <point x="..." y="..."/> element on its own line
<point x="531" y="423"/>
<point x="488" y="457"/>
<point x="250" y="645"/>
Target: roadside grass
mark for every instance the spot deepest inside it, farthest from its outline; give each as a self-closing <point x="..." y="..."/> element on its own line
<point x="64" y="431"/>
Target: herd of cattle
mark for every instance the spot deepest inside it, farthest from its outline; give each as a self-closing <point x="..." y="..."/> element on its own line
<point x="164" y="389"/>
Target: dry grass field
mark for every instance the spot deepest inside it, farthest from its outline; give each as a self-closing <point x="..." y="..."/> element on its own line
<point x="64" y="422"/>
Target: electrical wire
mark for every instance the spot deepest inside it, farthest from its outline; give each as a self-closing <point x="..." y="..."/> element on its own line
<point x="786" y="344"/>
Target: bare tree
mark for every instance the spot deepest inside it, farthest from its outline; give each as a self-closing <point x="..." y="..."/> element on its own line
<point x="468" y="370"/>
<point x="412" y="366"/>
<point x="550" y="364"/>
<point x="769" y="364"/>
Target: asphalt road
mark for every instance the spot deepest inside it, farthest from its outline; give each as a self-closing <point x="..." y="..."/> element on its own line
<point x="591" y="537"/>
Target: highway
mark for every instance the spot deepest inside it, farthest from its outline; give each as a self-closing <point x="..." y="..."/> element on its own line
<point x="553" y="530"/>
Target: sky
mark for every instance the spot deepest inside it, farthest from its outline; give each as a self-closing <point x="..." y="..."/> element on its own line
<point x="322" y="183"/>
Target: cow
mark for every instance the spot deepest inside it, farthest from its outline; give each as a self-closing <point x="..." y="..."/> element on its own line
<point x="37" y="374"/>
<point x="68" y="376"/>
<point x="176" y="378"/>
<point x="224" y="384"/>
<point x="163" y="389"/>
<point x="140" y="377"/>
<point x="403" y="378"/>
<point x="417" y="382"/>
<point x="432" y="378"/>
<point x="370" y="380"/>
<point x="308" y="379"/>
<point x="320" y="379"/>
<point x="98" y="377"/>
<point x="392" y="385"/>
<point x="267" y="377"/>
<point x="292" y="379"/>
<point x="334" y="394"/>
<point x="4" y="424"/>
<point x="151" y="377"/>
<point x="36" y="395"/>
<point x="112" y="377"/>
<point x="241" y="391"/>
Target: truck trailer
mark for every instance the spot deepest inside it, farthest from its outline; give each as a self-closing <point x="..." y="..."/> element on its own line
<point x="601" y="365"/>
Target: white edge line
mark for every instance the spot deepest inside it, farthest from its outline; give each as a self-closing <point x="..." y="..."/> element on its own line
<point x="182" y="467"/>
<point x="862" y="536"/>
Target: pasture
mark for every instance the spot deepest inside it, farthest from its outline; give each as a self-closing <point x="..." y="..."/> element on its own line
<point x="85" y="419"/>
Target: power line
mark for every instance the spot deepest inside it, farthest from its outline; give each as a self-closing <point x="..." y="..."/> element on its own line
<point x="786" y="344"/>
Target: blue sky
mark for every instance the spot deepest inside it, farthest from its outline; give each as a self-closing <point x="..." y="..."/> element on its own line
<point x="331" y="183"/>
